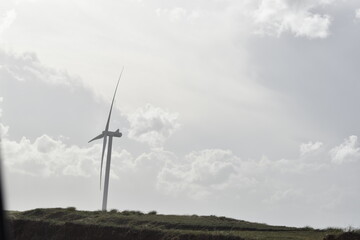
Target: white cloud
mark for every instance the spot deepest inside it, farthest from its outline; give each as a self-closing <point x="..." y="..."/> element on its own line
<point x="199" y="174"/>
<point x="274" y="17"/>
<point x="285" y="196"/>
<point x="7" y="20"/>
<point x="357" y="13"/>
<point x="310" y="147"/>
<point x="211" y="166"/>
<point x="45" y="144"/>
<point x="177" y="14"/>
<point x="141" y="170"/>
<point x="52" y="101"/>
<point x="152" y="125"/>
<point x="3" y="130"/>
<point x="215" y="171"/>
<point x="26" y="66"/>
<point x="46" y="157"/>
<point x="174" y="14"/>
<point x="348" y="151"/>
<point x="1" y="99"/>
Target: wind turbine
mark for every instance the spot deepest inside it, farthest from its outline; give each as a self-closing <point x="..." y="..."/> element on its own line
<point x="107" y="134"/>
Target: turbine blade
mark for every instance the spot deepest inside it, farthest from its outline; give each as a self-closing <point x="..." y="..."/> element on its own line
<point x="112" y="103"/>
<point x="98" y="137"/>
<point x="102" y="158"/>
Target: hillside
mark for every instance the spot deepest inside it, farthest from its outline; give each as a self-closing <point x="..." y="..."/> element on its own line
<point x="58" y="223"/>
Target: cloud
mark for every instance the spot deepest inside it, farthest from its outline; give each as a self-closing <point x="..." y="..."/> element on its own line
<point x="285" y="196"/>
<point x="141" y="170"/>
<point x="27" y="67"/>
<point x="152" y="125"/>
<point x="1" y="99"/>
<point x="199" y="173"/>
<point x="199" y="170"/>
<point x="211" y="166"/>
<point x="216" y="174"/>
<point x="275" y="17"/>
<point x="52" y="101"/>
<point x="174" y="14"/>
<point x="309" y="147"/>
<point x="348" y="151"/>
<point x="7" y="20"/>
<point x="211" y="172"/>
<point x="357" y="13"/>
<point x="3" y="130"/>
<point x="47" y="157"/>
<point x="177" y="14"/>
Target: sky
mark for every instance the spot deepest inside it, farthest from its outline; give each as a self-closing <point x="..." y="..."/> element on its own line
<point x="245" y="109"/>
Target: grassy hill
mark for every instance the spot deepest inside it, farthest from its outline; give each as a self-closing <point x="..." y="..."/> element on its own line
<point x="59" y="223"/>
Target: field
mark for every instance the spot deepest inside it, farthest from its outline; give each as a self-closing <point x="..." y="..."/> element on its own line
<point x="59" y="223"/>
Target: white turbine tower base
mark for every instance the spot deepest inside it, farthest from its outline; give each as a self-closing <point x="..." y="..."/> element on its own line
<point x="107" y="134"/>
<point x="107" y="174"/>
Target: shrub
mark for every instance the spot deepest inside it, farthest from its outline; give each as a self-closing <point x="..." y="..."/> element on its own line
<point x="307" y="228"/>
<point x="334" y="229"/>
<point x="152" y="212"/>
<point x="114" y="210"/>
<point x="128" y="212"/>
<point x="71" y="209"/>
<point x="351" y="229"/>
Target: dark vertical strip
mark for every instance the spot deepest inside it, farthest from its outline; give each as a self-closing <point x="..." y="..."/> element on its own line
<point x="3" y="220"/>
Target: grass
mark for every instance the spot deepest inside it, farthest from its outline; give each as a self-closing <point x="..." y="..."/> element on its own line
<point x="174" y="224"/>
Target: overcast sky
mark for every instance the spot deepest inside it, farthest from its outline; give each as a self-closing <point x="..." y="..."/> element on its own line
<point x="246" y="109"/>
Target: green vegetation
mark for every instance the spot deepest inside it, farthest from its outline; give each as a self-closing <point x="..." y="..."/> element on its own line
<point x="172" y="225"/>
<point x="152" y="213"/>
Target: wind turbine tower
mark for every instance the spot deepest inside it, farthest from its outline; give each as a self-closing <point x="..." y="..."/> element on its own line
<point x="105" y="135"/>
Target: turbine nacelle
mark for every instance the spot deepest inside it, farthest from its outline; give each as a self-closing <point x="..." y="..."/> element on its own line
<point x="117" y="133"/>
